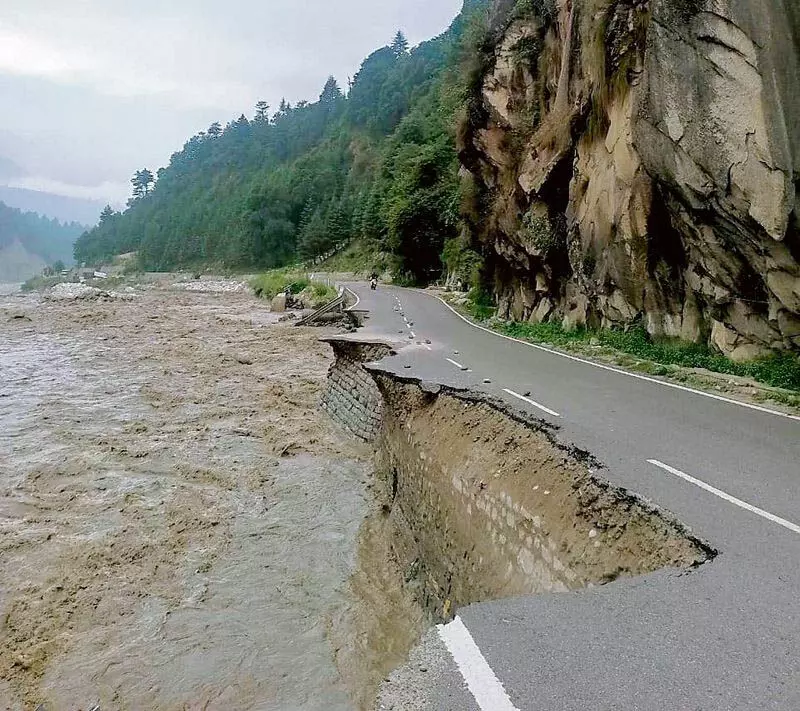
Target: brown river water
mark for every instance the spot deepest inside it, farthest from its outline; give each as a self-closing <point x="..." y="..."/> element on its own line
<point x="180" y="526"/>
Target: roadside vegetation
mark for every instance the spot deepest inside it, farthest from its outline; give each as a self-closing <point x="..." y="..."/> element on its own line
<point x="313" y="294"/>
<point x="636" y="349"/>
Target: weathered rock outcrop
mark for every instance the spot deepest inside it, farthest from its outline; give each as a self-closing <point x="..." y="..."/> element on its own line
<point x="637" y="160"/>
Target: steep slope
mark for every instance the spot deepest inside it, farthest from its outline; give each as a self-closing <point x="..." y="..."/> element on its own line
<point x="378" y="164"/>
<point x="637" y="161"/>
<point x="29" y="242"/>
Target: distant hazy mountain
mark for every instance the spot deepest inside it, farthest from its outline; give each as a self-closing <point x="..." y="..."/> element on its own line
<point x="64" y="209"/>
<point x="9" y="169"/>
<point x="29" y="241"/>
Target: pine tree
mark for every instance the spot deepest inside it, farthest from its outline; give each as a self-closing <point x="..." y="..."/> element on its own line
<point x="142" y="182"/>
<point x="331" y="93"/>
<point x="215" y="129"/>
<point x="306" y="216"/>
<point x="400" y="44"/>
<point x="338" y="223"/>
<point x="262" y="111"/>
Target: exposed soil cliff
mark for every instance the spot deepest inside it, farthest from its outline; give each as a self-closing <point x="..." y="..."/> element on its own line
<point x="637" y="160"/>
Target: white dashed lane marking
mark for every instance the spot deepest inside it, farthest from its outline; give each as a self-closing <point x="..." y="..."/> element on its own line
<point x="481" y="681"/>
<point x="532" y="402"/>
<point x="726" y="497"/>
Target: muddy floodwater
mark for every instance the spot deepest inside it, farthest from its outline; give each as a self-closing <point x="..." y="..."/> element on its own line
<point x="180" y="525"/>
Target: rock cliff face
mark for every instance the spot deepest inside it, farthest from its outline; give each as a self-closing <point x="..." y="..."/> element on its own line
<point x="637" y="161"/>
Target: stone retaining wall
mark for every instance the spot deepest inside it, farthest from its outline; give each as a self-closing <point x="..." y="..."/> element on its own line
<point x="351" y="397"/>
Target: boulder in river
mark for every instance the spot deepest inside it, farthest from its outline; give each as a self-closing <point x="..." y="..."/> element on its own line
<point x="279" y="303"/>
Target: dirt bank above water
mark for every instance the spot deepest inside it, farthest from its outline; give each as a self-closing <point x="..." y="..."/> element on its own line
<point x="178" y="519"/>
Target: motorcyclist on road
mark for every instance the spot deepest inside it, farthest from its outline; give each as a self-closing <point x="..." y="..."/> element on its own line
<point x="373" y="281"/>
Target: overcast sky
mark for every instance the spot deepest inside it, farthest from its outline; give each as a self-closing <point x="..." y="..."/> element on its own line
<point x="95" y="89"/>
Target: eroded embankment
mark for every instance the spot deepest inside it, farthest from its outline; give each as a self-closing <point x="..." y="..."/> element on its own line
<point x="484" y="502"/>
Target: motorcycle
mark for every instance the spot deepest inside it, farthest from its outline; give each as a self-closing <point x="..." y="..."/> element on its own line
<point x="373" y="284"/>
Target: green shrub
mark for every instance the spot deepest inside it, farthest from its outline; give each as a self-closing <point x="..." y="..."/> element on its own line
<point x="538" y="231"/>
<point x="527" y="50"/>
<point x="270" y="284"/>
<point x="543" y="9"/>
<point x="462" y="262"/>
<point x="322" y="294"/>
<point x="481" y="305"/>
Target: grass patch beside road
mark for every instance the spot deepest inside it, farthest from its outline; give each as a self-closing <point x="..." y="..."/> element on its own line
<point x="313" y="294"/>
<point x="360" y="259"/>
<point x="779" y="371"/>
<point x="270" y="284"/>
<point x="635" y="349"/>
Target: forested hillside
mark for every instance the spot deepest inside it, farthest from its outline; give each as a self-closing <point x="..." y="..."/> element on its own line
<point x="377" y="163"/>
<point x="44" y="240"/>
<point x="63" y="208"/>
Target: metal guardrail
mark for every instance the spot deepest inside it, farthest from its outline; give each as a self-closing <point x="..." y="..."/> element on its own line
<point x="337" y="303"/>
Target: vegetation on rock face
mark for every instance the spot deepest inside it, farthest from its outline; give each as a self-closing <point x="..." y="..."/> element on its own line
<point x="377" y="165"/>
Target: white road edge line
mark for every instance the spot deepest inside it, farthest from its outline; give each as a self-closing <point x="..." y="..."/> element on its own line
<point x="457" y="365"/>
<point x="532" y="402"/>
<point x="482" y="682"/>
<point x="358" y="299"/>
<point x="727" y="497"/>
<point x="611" y="369"/>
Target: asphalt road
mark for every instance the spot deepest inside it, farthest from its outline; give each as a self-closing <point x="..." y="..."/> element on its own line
<point x="724" y="637"/>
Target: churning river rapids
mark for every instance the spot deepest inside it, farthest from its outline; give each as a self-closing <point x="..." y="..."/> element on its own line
<point x="180" y="526"/>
